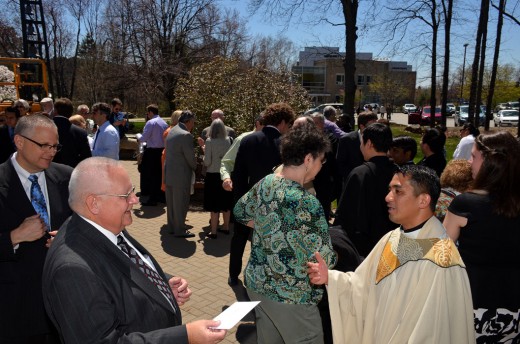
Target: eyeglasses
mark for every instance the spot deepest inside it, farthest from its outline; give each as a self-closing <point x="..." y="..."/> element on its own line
<point x="124" y="196"/>
<point x="323" y="161"/>
<point x="44" y="146"/>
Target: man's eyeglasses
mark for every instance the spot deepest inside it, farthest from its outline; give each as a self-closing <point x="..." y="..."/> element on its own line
<point x="124" y="196"/>
<point x="45" y="146"/>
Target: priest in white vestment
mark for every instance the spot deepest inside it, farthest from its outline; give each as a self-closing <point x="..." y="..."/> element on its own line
<point x="413" y="286"/>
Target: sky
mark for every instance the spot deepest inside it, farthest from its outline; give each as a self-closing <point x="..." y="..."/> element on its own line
<point x="372" y="39"/>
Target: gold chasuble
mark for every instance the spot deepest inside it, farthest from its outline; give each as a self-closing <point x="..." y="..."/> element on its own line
<point x="406" y="291"/>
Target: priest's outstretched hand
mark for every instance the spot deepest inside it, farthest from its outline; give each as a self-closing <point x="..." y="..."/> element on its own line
<point x="318" y="272"/>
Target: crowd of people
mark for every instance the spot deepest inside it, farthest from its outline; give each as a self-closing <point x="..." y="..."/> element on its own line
<point x="412" y="253"/>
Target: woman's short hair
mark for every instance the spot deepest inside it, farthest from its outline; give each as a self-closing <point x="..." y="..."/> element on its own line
<point x="500" y="171"/>
<point x="217" y="129"/>
<point x="300" y="141"/>
<point x="457" y="175"/>
<point x="78" y="120"/>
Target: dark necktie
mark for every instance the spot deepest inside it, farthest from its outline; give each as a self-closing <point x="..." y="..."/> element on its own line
<point x="38" y="200"/>
<point x="95" y="139"/>
<point x="153" y="276"/>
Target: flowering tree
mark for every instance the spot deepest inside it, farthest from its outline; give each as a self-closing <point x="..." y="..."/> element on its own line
<point x="7" y="92"/>
<point x="242" y="92"/>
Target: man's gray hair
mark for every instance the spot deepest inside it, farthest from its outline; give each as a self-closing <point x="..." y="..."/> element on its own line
<point x="91" y="176"/>
<point x="27" y="124"/>
<point x="329" y="111"/>
<point x="319" y="116"/>
<point x="22" y="102"/>
<point x="82" y="107"/>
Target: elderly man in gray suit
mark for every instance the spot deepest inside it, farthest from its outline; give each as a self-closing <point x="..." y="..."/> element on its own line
<point x="178" y="169"/>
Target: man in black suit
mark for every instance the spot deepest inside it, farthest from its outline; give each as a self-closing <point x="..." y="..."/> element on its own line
<point x="24" y="234"/>
<point x="349" y="154"/>
<point x="102" y="286"/>
<point x="73" y="139"/>
<point x="257" y="155"/>
<point x="7" y="146"/>
<point x="362" y="209"/>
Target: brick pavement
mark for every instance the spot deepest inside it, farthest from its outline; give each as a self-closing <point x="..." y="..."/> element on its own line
<point x="204" y="263"/>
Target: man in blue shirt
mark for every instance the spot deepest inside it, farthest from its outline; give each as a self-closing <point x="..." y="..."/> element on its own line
<point x="151" y="166"/>
<point x="106" y="139"/>
<point x="117" y="118"/>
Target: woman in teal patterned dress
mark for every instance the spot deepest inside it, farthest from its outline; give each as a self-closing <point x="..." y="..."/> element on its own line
<point x="289" y="226"/>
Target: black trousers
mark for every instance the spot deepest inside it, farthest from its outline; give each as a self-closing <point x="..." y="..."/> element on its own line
<point x="236" y="252"/>
<point x="151" y="175"/>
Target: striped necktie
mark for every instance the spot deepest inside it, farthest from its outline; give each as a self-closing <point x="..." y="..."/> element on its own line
<point x="152" y="275"/>
<point x="38" y="200"/>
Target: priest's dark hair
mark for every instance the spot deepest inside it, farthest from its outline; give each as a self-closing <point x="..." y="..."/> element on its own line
<point x="424" y="180"/>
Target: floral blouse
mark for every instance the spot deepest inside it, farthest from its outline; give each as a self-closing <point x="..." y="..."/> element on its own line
<point x="289" y="226"/>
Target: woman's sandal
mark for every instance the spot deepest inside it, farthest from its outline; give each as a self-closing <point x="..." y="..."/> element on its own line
<point x="223" y="231"/>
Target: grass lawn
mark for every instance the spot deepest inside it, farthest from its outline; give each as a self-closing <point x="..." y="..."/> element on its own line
<point x="451" y="141"/>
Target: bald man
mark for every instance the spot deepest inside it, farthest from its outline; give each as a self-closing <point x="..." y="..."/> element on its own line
<point x="100" y="284"/>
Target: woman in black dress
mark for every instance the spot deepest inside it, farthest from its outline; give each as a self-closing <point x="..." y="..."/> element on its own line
<point x="486" y="223"/>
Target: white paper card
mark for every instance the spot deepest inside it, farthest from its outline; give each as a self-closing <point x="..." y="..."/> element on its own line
<point x="234" y="313"/>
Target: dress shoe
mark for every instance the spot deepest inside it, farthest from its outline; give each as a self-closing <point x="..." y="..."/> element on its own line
<point x="232" y="281"/>
<point x="185" y="235"/>
<point x="211" y="236"/>
<point x="223" y="231"/>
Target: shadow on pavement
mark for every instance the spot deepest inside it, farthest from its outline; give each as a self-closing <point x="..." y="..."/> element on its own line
<point x="176" y="247"/>
<point x="148" y="212"/>
<point x="218" y="247"/>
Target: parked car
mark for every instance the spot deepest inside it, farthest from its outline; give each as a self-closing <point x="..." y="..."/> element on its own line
<point x="506" y="117"/>
<point x="451" y="108"/>
<point x="319" y="108"/>
<point x="512" y="105"/>
<point x="422" y="117"/>
<point x="461" y="116"/>
<point x="373" y="105"/>
<point x="409" y="108"/>
<point x="500" y="106"/>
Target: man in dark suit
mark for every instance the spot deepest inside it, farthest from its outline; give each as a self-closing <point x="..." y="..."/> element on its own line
<point x="362" y="209"/>
<point x="349" y="154"/>
<point x="101" y="285"/>
<point x="73" y="139"/>
<point x="7" y="146"/>
<point x="178" y="170"/>
<point x="24" y="234"/>
<point x="257" y="155"/>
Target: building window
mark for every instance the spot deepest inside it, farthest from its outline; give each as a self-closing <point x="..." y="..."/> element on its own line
<point x="360" y="79"/>
<point x="369" y="79"/>
<point x="340" y="79"/>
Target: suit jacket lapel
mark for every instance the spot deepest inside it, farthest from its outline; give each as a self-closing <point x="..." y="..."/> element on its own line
<point x="54" y="192"/>
<point x="157" y="267"/>
<point x="122" y="263"/>
<point x="16" y="194"/>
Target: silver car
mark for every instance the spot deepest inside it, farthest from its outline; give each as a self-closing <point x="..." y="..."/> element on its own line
<point x="409" y="108"/>
<point x="506" y="117"/>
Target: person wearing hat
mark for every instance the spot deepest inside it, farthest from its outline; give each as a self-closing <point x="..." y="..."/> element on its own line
<point x="178" y="170"/>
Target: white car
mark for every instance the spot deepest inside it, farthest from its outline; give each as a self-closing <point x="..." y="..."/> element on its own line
<point x="409" y="108"/>
<point x="506" y="117"/>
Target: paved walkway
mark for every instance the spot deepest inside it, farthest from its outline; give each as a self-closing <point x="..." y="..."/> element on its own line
<point x="204" y="263"/>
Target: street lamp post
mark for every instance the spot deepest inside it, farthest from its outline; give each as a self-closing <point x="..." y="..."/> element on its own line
<point x="463" y="70"/>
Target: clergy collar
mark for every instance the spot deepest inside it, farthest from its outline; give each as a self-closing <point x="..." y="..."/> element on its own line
<point x="413" y="229"/>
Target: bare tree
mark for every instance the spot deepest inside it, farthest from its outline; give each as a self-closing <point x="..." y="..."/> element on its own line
<point x="489" y="103"/>
<point x="477" y="69"/>
<point x="447" y="11"/>
<point x="427" y="12"/>
<point x="289" y="9"/>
